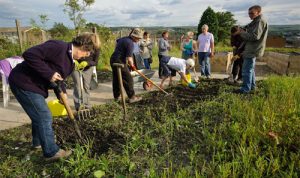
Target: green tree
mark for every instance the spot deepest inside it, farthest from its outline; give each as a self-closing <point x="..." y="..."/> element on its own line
<point x="226" y="21"/>
<point x="61" y="32"/>
<point x="75" y="9"/>
<point x="209" y="17"/>
<point x="43" y="19"/>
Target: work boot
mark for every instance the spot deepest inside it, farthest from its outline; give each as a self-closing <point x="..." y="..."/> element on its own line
<point x="60" y="154"/>
<point x="135" y="99"/>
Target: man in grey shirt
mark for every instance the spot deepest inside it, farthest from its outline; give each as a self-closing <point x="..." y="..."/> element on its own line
<point x="255" y="37"/>
<point x="163" y="50"/>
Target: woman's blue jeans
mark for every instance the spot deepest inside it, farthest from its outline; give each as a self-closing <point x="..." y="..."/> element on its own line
<point x="36" y="108"/>
<point x="204" y="61"/>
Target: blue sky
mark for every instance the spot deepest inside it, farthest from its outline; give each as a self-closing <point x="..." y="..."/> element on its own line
<point x="147" y="13"/>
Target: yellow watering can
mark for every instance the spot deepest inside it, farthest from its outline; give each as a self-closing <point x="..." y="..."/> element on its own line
<point x="189" y="79"/>
<point x="56" y="108"/>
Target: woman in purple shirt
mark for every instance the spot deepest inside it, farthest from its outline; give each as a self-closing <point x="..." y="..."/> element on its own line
<point x="49" y="62"/>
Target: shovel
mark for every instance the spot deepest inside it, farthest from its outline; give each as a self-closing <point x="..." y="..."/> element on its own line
<point x="58" y="90"/>
<point x="146" y="78"/>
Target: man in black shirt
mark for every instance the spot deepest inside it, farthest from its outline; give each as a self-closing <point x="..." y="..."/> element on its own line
<point x="124" y="54"/>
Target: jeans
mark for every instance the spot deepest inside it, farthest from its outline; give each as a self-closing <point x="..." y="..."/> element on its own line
<point x="248" y="75"/>
<point x="86" y="79"/>
<point x="36" y="108"/>
<point x="147" y="64"/>
<point x="203" y="58"/>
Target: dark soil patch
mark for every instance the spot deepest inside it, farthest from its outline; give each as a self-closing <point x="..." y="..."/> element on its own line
<point x="112" y="137"/>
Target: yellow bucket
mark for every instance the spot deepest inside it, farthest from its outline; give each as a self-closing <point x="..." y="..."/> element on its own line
<point x="189" y="79"/>
<point x="56" y="108"/>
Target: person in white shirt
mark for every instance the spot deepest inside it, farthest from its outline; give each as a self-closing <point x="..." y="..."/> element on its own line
<point x="205" y="50"/>
<point x="172" y="64"/>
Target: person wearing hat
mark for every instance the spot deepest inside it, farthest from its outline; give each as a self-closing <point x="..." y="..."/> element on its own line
<point x="172" y="64"/>
<point x="123" y="54"/>
<point x="188" y="46"/>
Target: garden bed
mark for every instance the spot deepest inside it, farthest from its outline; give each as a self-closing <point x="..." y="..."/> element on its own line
<point x="202" y="132"/>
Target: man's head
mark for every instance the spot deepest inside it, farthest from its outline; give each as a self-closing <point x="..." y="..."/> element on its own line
<point x="136" y="34"/>
<point x="254" y="11"/>
<point x="204" y="28"/>
<point x="190" y="63"/>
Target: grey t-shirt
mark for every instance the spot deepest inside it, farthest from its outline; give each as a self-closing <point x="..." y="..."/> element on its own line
<point x="163" y="47"/>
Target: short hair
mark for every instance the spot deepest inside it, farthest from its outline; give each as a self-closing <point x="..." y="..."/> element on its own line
<point x="255" y="7"/>
<point x="87" y="41"/>
<point x="204" y="26"/>
<point x="146" y="33"/>
<point x="163" y="33"/>
<point x="234" y="29"/>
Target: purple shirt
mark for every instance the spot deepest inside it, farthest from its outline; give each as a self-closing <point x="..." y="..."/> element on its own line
<point x="40" y="63"/>
<point x="205" y="42"/>
<point x="124" y="49"/>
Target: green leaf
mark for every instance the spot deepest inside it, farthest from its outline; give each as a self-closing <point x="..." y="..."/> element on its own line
<point x="99" y="174"/>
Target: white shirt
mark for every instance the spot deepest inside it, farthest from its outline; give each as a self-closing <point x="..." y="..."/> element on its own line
<point x="204" y="42"/>
<point x="177" y="64"/>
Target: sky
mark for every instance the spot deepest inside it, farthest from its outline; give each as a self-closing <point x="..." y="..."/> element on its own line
<point x="147" y="13"/>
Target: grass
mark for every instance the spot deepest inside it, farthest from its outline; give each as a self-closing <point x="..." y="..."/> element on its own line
<point x="220" y="135"/>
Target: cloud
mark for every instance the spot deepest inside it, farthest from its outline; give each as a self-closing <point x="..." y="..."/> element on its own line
<point x="149" y="13"/>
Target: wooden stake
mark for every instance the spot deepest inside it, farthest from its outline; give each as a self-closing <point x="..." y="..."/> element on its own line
<point x="19" y="35"/>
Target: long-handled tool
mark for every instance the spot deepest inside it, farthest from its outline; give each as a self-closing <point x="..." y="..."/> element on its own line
<point x="141" y="74"/>
<point x="63" y="98"/>
<point x="83" y="112"/>
<point x="119" y="66"/>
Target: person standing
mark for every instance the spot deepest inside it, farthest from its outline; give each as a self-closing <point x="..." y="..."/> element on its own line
<point x="85" y="69"/>
<point x="146" y="46"/>
<point x="163" y="50"/>
<point x="30" y="81"/>
<point x="205" y="50"/>
<point x="123" y="54"/>
<point x="255" y="38"/>
<point x="188" y="46"/>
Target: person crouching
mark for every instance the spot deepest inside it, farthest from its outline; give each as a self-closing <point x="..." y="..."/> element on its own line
<point x="171" y="65"/>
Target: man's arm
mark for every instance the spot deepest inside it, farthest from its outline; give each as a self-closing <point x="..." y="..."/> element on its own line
<point x="212" y="47"/>
<point x="256" y="33"/>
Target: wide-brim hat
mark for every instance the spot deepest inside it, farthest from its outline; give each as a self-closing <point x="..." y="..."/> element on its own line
<point x="136" y="32"/>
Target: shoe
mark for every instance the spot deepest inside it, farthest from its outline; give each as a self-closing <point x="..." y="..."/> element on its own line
<point x="60" y="154"/>
<point x="208" y="77"/>
<point x="118" y="99"/>
<point x="38" y="147"/>
<point x="239" y="81"/>
<point x="135" y="99"/>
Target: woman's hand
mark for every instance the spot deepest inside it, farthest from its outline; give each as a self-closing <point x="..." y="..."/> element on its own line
<point x="56" y="77"/>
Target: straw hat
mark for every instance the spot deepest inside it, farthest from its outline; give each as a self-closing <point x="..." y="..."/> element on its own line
<point x="136" y="32"/>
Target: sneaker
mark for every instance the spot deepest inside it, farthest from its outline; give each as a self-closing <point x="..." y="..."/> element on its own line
<point x="135" y="99"/>
<point x="38" y="147"/>
<point x="208" y="77"/>
<point x="60" y="154"/>
<point x="239" y="81"/>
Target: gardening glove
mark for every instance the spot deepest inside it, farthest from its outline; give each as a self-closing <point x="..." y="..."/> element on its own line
<point x="192" y="85"/>
<point x="133" y="68"/>
<point x="82" y="65"/>
<point x="76" y="64"/>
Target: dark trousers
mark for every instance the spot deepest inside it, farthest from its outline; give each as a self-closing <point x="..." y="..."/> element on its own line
<point x="160" y="70"/>
<point x="237" y="68"/>
<point x="127" y="82"/>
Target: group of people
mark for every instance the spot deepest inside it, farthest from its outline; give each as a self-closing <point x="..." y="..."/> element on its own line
<point x="53" y="61"/>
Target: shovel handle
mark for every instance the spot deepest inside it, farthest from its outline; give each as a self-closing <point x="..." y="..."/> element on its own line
<point x="67" y="106"/>
<point x="141" y="74"/>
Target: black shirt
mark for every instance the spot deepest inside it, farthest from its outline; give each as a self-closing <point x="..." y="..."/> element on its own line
<point x="124" y="49"/>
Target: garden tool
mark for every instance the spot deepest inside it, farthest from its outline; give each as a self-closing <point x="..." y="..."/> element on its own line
<point x="57" y="89"/>
<point x="142" y="75"/>
<point x="83" y="112"/>
<point x="119" y="66"/>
